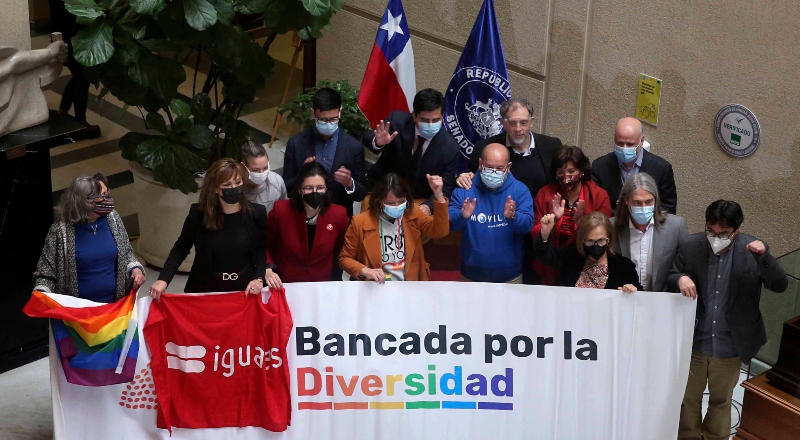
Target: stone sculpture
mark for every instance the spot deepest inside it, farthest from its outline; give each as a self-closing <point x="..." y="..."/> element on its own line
<point x="23" y="73"/>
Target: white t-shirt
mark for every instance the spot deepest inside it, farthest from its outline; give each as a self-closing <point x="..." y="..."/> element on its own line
<point x="393" y="249"/>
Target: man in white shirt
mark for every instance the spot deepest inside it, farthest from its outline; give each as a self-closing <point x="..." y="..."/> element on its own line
<point x="645" y="233"/>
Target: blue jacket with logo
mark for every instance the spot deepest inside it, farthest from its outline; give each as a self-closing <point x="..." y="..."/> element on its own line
<point x="491" y="246"/>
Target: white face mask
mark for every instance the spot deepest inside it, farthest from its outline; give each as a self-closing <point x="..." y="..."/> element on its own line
<point x="259" y="178"/>
<point x="718" y="244"/>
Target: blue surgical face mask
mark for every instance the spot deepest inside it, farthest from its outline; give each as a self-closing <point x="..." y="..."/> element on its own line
<point x="642" y="214"/>
<point x="625" y="155"/>
<point x="429" y="129"/>
<point x="395" y="211"/>
<point x="327" y="128"/>
<point x="491" y="179"/>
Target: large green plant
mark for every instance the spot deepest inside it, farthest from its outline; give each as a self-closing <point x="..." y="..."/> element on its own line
<point x="299" y="110"/>
<point x="135" y="49"/>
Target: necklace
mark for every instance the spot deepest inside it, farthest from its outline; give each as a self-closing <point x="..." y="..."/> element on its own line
<point x="94" y="228"/>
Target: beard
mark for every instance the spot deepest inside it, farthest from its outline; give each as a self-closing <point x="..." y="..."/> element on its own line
<point x="517" y="140"/>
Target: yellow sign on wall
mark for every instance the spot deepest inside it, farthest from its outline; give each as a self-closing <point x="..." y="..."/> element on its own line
<point x="648" y="100"/>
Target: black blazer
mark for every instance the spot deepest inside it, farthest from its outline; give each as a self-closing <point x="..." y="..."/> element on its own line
<point x="605" y="172"/>
<point x="748" y="273"/>
<point x="349" y="154"/>
<point x="570" y="263"/>
<point x="440" y="159"/>
<point x="547" y="146"/>
<point x="195" y="234"/>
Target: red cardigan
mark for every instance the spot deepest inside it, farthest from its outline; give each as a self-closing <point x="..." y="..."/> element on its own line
<point x="595" y="199"/>
<point x="287" y="242"/>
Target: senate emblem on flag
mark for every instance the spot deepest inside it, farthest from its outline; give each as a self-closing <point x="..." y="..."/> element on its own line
<point x="473" y="111"/>
<point x="485" y="118"/>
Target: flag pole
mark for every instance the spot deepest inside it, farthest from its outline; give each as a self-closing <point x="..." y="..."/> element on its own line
<point x="297" y="43"/>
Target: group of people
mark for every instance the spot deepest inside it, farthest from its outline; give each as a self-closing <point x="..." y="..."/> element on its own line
<point x="529" y="209"/>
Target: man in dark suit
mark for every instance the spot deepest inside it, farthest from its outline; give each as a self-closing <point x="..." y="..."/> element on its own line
<point x="723" y="269"/>
<point x="414" y="145"/>
<point x="339" y="153"/>
<point x="628" y="158"/>
<point x="531" y="161"/>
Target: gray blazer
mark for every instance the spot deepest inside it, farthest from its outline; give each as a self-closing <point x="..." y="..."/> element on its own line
<point x="666" y="239"/>
<point x="56" y="271"/>
<point x="748" y="273"/>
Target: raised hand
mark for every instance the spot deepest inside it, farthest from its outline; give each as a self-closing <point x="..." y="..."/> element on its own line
<point x="464" y="180"/>
<point x="468" y="208"/>
<point x="757" y="247"/>
<point x="547" y="222"/>
<point x="558" y="206"/>
<point x="382" y="136"/>
<point x="509" y="212"/>
<point x="343" y="176"/>
<point x="436" y="183"/>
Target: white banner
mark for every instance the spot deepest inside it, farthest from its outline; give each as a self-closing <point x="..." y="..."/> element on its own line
<point x="444" y="360"/>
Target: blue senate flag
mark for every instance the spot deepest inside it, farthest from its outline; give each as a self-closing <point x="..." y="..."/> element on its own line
<point x="478" y="86"/>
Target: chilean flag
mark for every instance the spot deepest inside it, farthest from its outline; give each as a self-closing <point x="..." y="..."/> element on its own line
<point x="389" y="83"/>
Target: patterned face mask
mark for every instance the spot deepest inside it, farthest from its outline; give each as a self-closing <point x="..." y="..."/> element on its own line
<point x="105" y="206"/>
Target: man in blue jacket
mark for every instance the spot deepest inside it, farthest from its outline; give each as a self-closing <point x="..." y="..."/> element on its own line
<point x="495" y="214"/>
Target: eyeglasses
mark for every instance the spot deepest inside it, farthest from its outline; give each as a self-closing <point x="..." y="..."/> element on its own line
<point x="101" y="196"/>
<point x="308" y="189"/>
<point x="524" y="123"/>
<point x="494" y="170"/>
<point x="328" y="120"/>
<point x="722" y="235"/>
<point x="600" y="242"/>
<point x="400" y="202"/>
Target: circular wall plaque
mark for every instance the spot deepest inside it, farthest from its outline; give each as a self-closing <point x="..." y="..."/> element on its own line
<point x="737" y="131"/>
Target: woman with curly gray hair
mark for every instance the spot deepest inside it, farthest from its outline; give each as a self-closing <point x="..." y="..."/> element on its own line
<point x="87" y="252"/>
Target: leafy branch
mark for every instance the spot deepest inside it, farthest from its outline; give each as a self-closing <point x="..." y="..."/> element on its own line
<point x="136" y="49"/>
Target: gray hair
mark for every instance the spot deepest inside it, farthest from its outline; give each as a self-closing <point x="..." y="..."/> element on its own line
<point x="632" y="184"/>
<point x="77" y="202"/>
<point x="514" y="103"/>
<point x="253" y="150"/>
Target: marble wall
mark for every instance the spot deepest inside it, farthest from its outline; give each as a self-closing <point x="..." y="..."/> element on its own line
<point x="14" y="25"/>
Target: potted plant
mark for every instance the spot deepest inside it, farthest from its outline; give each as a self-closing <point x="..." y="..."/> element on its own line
<point x="352" y="120"/>
<point x="136" y="49"/>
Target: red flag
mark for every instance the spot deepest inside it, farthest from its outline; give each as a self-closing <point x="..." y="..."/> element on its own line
<point x="220" y="360"/>
<point x="389" y="82"/>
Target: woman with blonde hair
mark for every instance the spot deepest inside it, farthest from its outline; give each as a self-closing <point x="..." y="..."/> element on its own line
<point x="587" y="262"/>
<point x="87" y="252"/>
<point x="228" y="235"/>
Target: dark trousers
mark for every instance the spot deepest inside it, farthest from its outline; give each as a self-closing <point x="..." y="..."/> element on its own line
<point x="77" y="90"/>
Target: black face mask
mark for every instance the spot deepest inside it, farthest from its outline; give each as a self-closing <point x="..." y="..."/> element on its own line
<point x="313" y="199"/>
<point x="232" y="196"/>
<point x="595" y="251"/>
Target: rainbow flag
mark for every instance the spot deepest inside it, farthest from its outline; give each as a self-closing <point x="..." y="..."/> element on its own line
<point x="97" y="345"/>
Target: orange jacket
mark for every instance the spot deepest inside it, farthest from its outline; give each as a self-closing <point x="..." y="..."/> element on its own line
<point x="362" y="247"/>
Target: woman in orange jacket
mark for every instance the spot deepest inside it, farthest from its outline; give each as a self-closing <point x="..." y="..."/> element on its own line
<point x="384" y="243"/>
